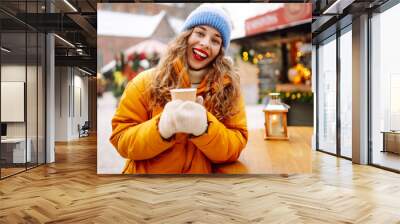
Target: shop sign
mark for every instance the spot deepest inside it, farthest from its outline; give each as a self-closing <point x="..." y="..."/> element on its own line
<point x="289" y="15"/>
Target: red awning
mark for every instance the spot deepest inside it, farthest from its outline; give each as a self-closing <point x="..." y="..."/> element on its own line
<point x="290" y="14"/>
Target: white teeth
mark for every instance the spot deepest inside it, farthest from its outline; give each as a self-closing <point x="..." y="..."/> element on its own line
<point x="200" y="53"/>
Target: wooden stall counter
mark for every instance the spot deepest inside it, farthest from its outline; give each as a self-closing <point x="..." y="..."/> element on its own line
<point x="273" y="157"/>
<point x="289" y="87"/>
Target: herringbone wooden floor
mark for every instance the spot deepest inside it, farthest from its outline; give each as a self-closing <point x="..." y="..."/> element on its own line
<point x="70" y="191"/>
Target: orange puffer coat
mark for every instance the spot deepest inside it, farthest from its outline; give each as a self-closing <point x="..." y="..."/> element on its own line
<point x="136" y="137"/>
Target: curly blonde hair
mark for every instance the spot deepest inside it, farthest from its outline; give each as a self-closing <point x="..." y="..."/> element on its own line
<point x="220" y="99"/>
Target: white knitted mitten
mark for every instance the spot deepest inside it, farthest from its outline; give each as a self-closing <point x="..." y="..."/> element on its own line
<point x="191" y="118"/>
<point x="166" y="125"/>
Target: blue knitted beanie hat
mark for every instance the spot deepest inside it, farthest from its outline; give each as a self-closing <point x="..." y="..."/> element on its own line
<point x="211" y="16"/>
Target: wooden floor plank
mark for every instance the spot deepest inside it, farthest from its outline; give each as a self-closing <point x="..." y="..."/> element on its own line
<point x="70" y="191"/>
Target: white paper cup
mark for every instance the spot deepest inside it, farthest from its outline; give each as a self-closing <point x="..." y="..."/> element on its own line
<point x="184" y="94"/>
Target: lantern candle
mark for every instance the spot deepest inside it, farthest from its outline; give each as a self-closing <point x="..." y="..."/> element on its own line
<point x="276" y="118"/>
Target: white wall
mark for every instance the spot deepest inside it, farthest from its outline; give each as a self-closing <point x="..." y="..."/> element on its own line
<point x="71" y="94"/>
<point x="12" y="73"/>
<point x="62" y="80"/>
<point x="33" y="127"/>
<point x="81" y="101"/>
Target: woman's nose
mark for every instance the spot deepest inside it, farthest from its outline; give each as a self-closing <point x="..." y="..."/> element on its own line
<point x="205" y="42"/>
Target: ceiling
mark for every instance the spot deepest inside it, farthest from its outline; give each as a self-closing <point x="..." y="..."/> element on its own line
<point x="326" y="21"/>
<point x="74" y="22"/>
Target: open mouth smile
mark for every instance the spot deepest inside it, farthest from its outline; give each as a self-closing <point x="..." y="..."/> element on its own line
<point x="199" y="54"/>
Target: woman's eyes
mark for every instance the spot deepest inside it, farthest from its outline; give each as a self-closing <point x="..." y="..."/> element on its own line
<point x="213" y="40"/>
<point x="200" y="34"/>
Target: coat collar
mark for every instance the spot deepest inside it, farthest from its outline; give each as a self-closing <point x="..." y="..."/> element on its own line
<point x="180" y="70"/>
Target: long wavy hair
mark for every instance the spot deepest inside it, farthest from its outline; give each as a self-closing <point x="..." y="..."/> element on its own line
<point x="220" y="100"/>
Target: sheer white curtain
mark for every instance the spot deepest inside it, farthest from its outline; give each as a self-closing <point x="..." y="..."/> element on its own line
<point x="346" y="93"/>
<point x="327" y="96"/>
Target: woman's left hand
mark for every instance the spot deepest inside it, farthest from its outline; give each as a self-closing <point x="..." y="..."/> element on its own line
<point x="191" y="118"/>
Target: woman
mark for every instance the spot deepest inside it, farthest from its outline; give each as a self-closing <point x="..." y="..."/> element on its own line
<point x="157" y="135"/>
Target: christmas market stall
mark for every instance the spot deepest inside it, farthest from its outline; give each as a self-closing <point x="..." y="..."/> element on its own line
<point x="278" y="43"/>
<point x="130" y="63"/>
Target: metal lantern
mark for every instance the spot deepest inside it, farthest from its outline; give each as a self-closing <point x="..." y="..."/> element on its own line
<point x="276" y="118"/>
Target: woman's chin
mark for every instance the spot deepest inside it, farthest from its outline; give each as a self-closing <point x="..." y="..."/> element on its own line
<point x="196" y="66"/>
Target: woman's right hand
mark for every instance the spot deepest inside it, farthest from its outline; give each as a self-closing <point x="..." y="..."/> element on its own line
<point x="166" y="125"/>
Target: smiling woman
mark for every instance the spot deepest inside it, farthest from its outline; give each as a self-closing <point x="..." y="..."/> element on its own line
<point x="157" y="135"/>
<point x="203" y="47"/>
